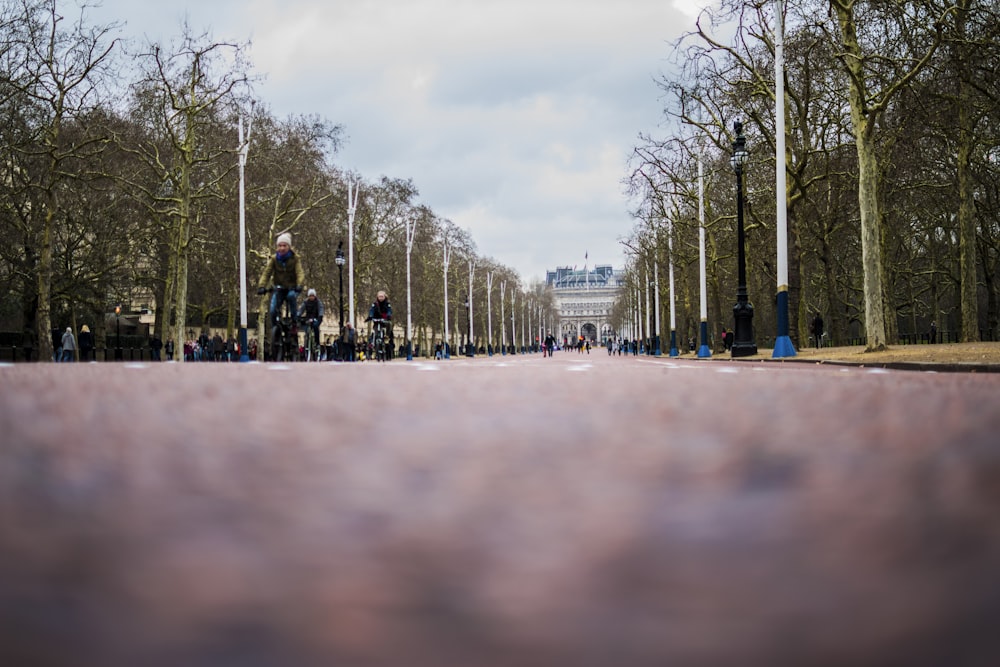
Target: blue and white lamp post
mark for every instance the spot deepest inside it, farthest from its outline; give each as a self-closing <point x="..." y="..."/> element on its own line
<point x="783" y="346"/>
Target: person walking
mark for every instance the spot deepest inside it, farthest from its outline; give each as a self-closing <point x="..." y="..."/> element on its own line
<point x="817" y="329"/>
<point x="68" y="345"/>
<point x="350" y="342"/>
<point x="86" y="342"/>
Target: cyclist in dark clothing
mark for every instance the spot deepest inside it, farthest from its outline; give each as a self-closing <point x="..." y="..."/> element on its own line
<point x="380" y="309"/>
<point x="311" y="312"/>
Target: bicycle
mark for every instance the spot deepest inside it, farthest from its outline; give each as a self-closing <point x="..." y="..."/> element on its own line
<point x="378" y="338"/>
<point x="312" y="344"/>
<point x="284" y="331"/>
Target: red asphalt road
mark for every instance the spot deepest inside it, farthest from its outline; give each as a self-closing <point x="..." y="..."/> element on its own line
<point x="578" y="510"/>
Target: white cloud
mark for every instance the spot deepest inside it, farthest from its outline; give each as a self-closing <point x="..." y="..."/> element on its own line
<point x="514" y="118"/>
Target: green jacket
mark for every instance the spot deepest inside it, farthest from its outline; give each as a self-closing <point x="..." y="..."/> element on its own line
<point x="287" y="274"/>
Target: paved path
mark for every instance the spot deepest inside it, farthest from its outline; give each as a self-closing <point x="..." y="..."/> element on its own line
<point x="578" y="510"/>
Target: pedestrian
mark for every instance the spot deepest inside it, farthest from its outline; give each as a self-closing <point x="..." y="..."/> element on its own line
<point x="86" y="341"/>
<point x="57" y="345"/>
<point x="155" y="345"/>
<point x="817" y="329"/>
<point x="933" y="333"/>
<point x="68" y="345"/>
<point x="28" y="343"/>
<point x="218" y="348"/>
<point x="169" y="348"/>
<point x="350" y="342"/>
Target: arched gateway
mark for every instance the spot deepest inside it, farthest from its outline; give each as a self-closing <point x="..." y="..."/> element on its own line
<point x="584" y="300"/>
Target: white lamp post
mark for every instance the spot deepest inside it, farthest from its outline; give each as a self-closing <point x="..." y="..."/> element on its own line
<point x="411" y="228"/>
<point x="513" y="322"/>
<point x="673" y="307"/>
<point x="472" y="337"/>
<point x="489" y="313"/>
<point x="703" y="349"/>
<point x="503" y="328"/>
<point x="244" y="149"/>
<point x="353" y="191"/>
<point x="783" y="346"/>
<point x="447" y="332"/>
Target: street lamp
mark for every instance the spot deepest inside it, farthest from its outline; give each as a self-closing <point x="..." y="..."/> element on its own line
<point x="743" y="344"/>
<point x="118" y="333"/>
<point x="340" y="269"/>
<point x="468" y="327"/>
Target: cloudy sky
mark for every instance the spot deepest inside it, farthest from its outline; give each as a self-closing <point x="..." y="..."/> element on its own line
<point x="514" y="118"/>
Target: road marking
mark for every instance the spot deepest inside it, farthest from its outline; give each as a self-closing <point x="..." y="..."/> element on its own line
<point x="727" y="369"/>
<point x="279" y="367"/>
<point x="426" y="367"/>
<point x="135" y="365"/>
<point x="584" y="367"/>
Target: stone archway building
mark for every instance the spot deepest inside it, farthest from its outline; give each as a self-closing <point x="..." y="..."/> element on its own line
<point x="584" y="300"/>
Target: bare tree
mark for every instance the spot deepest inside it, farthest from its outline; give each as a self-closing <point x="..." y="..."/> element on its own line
<point x="63" y="63"/>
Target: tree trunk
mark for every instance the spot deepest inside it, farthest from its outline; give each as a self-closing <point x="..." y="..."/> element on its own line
<point x="863" y="121"/>
<point x="966" y="209"/>
<point x="44" y="316"/>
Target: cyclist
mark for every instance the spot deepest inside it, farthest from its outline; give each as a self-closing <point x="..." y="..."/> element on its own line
<point x="283" y="270"/>
<point x="381" y="309"/>
<point x="311" y="313"/>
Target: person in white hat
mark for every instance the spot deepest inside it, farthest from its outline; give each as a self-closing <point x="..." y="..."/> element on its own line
<point x="311" y="312"/>
<point x="284" y="270"/>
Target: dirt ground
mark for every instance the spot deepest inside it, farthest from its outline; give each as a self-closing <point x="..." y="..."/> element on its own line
<point x="946" y="353"/>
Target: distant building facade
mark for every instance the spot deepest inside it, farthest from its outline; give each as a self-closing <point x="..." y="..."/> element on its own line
<point x="584" y="300"/>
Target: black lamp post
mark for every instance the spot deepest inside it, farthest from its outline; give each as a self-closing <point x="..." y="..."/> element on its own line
<point x="118" y="333"/>
<point x="468" y="329"/>
<point x="340" y="268"/>
<point x="743" y="343"/>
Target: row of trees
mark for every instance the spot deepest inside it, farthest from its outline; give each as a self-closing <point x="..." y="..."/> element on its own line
<point x="119" y="185"/>
<point x="892" y="162"/>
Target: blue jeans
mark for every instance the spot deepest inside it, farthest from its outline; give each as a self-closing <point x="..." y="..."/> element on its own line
<point x="275" y="310"/>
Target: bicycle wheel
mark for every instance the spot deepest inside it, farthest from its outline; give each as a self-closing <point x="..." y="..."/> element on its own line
<point x="277" y="343"/>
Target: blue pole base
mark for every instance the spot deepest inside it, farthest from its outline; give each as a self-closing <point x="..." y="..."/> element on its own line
<point x="674" y="352"/>
<point x="783" y="347"/>
<point x="242" y="338"/>
<point x="703" y="351"/>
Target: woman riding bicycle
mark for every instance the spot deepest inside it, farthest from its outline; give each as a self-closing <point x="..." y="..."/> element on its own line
<point x="381" y="313"/>
<point x="283" y="270"/>
<point x="380" y="309"/>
